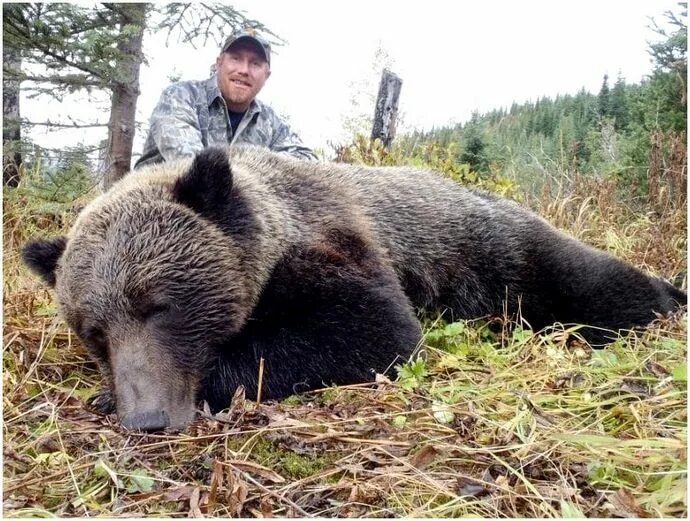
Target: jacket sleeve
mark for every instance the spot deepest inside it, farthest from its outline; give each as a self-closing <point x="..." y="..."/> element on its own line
<point x="287" y="141"/>
<point x="174" y="125"/>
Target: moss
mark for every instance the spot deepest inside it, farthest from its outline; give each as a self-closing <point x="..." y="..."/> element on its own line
<point x="285" y="462"/>
<point x="293" y="401"/>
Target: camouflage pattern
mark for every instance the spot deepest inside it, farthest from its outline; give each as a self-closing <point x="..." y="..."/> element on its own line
<point x="192" y="115"/>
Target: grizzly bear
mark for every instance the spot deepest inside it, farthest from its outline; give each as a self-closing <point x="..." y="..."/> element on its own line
<point x="184" y="275"/>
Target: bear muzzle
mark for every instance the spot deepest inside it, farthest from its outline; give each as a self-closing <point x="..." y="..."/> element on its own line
<point x="152" y="392"/>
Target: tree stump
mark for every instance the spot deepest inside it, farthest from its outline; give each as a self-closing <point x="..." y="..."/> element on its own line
<point x="386" y="112"/>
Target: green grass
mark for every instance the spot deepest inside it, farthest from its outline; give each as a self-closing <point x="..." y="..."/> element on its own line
<point x="486" y="422"/>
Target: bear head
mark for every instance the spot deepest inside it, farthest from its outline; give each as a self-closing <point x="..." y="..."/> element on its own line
<point x="152" y="285"/>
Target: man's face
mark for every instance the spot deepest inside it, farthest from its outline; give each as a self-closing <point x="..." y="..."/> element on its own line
<point x="242" y="72"/>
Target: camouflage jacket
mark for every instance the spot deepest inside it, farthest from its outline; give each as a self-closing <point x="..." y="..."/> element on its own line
<point x="191" y="115"/>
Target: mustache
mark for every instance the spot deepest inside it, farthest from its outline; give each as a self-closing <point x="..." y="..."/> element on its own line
<point x="241" y="80"/>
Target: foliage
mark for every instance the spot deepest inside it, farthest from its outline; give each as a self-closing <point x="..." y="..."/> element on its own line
<point x="613" y="133"/>
<point x="62" y="185"/>
<point x="412" y="374"/>
<point x="75" y="45"/>
<point x="474" y="151"/>
<point x="431" y="155"/>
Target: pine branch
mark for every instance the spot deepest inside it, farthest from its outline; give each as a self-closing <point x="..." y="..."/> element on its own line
<point x="74" y="124"/>
<point x="65" y="80"/>
<point x="66" y="61"/>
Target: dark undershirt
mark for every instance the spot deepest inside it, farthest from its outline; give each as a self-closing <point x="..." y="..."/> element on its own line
<point x="235" y="118"/>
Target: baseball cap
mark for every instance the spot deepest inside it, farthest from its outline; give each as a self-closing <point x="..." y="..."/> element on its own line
<point x="250" y="35"/>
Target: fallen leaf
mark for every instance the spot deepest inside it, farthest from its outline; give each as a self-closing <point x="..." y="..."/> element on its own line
<point x="635" y="388"/>
<point x="442" y="412"/>
<point x="554" y="491"/>
<point x="657" y="370"/>
<point x="502" y="482"/>
<point x="680" y="373"/>
<point x="471" y="487"/>
<point x="101" y="468"/>
<point x="139" y="481"/>
<point x="237" y="492"/>
<point x="47" y="443"/>
<point x="194" y="510"/>
<point x="625" y="505"/>
<point x="382" y="379"/>
<point x="280" y="419"/>
<point x="216" y="482"/>
<point x="238" y="402"/>
<point x="182" y="493"/>
<point x="423" y="457"/>
<point x="266" y="507"/>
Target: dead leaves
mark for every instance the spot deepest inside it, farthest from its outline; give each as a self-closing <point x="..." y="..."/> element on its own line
<point x="366" y="451"/>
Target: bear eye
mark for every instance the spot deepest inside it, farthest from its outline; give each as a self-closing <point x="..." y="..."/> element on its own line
<point x="151" y="310"/>
<point x="97" y="338"/>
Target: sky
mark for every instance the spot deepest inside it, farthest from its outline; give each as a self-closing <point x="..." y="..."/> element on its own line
<point x="454" y="57"/>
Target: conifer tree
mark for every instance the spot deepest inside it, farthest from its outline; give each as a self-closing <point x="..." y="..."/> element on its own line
<point x="618" y="107"/>
<point x="474" y="149"/>
<point x="604" y="99"/>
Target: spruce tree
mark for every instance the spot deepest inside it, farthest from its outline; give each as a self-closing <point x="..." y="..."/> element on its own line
<point x="604" y="99"/>
<point x="474" y="149"/>
<point x="618" y="108"/>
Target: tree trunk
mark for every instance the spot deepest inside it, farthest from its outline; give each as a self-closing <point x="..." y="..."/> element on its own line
<point x="125" y="91"/>
<point x="386" y="108"/>
<point x="11" y="123"/>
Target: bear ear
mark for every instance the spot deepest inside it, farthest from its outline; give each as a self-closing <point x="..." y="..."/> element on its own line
<point x="42" y="256"/>
<point x="207" y="186"/>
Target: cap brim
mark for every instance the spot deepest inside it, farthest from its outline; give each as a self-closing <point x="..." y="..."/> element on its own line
<point x="247" y="38"/>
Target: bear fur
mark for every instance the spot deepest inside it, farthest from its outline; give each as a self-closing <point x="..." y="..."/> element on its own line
<point x="185" y="274"/>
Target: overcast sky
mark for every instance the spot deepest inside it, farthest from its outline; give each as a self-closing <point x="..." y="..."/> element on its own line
<point x="454" y="57"/>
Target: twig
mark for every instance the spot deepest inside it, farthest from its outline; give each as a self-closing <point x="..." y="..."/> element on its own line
<point x="7" y="490"/>
<point x="268" y="491"/>
<point x="261" y="381"/>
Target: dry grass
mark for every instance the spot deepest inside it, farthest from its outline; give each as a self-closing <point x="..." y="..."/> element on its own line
<point x="484" y="424"/>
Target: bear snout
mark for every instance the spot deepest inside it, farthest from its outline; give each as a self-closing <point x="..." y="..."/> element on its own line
<point x="146" y="421"/>
<point x="153" y="390"/>
<point x="157" y="412"/>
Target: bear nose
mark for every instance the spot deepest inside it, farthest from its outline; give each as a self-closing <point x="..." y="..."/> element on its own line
<point x="146" y="421"/>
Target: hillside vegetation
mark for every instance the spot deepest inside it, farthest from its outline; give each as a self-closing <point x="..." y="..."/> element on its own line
<point x="633" y="133"/>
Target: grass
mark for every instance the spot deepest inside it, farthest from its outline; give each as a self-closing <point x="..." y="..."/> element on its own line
<point x="485" y="423"/>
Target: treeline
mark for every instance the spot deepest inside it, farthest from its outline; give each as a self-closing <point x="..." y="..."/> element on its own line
<point x="624" y="130"/>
